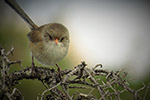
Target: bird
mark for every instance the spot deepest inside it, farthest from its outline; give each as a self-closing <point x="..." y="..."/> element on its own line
<point x="48" y="43"/>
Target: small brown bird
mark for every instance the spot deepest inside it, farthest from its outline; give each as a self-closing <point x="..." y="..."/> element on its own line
<point x="48" y="43"/>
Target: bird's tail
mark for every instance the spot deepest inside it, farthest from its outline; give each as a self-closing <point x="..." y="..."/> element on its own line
<point x="14" y="5"/>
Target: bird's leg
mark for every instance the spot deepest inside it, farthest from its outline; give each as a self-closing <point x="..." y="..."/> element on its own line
<point x="59" y="71"/>
<point x="32" y="65"/>
<point x="58" y="68"/>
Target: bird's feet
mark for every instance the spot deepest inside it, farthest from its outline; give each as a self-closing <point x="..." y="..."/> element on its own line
<point x="33" y="67"/>
<point x="59" y="71"/>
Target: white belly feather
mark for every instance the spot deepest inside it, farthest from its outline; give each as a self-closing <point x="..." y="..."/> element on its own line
<point x="51" y="53"/>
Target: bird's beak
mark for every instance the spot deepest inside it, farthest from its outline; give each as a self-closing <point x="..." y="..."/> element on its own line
<point x="56" y="41"/>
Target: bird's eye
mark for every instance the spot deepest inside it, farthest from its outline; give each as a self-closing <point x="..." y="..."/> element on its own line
<point x="62" y="39"/>
<point x="50" y="37"/>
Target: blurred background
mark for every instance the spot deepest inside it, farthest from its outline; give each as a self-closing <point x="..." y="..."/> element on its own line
<point x="115" y="34"/>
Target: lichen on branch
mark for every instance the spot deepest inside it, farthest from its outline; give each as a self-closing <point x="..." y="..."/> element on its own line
<point x="111" y="86"/>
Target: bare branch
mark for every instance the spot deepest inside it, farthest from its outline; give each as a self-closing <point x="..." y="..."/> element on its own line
<point x="111" y="86"/>
<point x="42" y="96"/>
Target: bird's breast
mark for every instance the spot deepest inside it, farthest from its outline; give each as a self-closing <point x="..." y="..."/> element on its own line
<point x="49" y="53"/>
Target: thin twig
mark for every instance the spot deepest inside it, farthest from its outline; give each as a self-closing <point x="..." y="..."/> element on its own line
<point x="147" y="87"/>
<point x="42" y="96"/>
<point x="66" y="92"/>
<point x="95" y="82"/>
